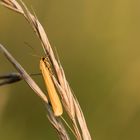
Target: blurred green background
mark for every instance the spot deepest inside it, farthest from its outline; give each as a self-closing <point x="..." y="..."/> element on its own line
<point x="98" y="43"/>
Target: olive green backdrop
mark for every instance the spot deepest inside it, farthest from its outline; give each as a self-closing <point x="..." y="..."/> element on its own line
<point x="98" y="43"/>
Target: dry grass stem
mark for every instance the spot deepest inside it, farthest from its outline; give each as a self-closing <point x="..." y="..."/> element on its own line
<point x="24" y="74"/>
<point x="69" y="100"/>
<point x="9" y="78"/>
<point x="56" y="122"/>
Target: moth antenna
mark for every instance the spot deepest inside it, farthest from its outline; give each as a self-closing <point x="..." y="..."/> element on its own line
<point x="34" y="55"/>
<point x="33" y="49"/>
<point x="35" y="74"/>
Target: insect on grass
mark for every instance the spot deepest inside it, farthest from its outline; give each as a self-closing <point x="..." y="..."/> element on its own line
<point x="54" y="98"/>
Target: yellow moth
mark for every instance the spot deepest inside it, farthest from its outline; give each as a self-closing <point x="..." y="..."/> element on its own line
<point x="54" y="98"/>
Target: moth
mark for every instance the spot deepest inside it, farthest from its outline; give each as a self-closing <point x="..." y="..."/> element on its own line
<point x="52" y="92"/>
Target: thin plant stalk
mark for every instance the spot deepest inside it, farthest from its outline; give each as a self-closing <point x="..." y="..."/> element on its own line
<point x="69" y="100"/>
<point x="55" y="121"/>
